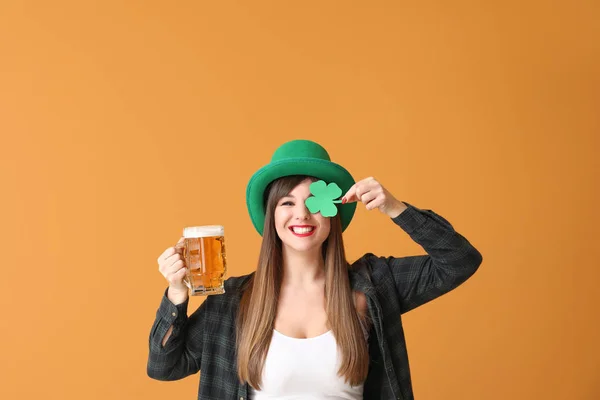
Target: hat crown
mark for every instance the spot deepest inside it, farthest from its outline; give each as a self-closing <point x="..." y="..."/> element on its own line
<point x="297" y="157"/>
<point x="300" y="149"/>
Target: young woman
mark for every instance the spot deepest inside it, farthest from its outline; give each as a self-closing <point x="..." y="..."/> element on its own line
<point x="307" y="324"/>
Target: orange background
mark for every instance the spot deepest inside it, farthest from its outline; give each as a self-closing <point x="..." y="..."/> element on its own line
<point x="123" y="123"/>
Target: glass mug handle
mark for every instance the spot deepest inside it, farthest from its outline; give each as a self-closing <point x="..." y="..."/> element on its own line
<point x="180" y="248"/>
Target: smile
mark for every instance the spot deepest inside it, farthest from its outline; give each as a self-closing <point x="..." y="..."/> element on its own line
<point x="302" y="231"/>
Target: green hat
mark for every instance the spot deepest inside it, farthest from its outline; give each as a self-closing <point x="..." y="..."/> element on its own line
<point x="297" y="157"/>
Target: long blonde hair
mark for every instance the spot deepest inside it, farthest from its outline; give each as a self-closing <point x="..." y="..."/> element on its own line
<point x="258" y="306"/>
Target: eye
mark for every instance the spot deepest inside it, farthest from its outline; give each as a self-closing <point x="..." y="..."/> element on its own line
<point x="287" y="203"/>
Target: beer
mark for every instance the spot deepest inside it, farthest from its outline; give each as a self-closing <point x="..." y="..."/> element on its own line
<point x="204" y="256"/>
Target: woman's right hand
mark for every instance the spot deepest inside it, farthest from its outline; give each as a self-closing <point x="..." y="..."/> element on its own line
<point x="172" y="267"/>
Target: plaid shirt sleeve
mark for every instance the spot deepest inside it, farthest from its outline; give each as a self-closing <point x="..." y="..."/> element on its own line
<point x="450" y="259"/>
<point x="182" y="352"/>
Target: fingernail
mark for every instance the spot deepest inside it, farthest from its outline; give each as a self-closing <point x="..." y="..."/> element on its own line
<point x="343" y="200"/>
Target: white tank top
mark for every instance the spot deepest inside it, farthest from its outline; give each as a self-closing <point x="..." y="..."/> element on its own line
<point x="304" y="369"/>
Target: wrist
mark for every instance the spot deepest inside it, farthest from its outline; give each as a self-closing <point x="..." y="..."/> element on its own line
<point x="177" y="296"/>
<point x="396" y="210"/>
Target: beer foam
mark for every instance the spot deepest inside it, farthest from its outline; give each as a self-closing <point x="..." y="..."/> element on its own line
<point x="203" y="231"/>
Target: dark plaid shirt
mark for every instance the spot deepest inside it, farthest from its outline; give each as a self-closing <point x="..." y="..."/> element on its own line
<point x="205" y="341"/>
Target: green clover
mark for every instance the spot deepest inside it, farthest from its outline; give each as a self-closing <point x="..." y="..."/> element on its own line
<point x="323" y="198"/>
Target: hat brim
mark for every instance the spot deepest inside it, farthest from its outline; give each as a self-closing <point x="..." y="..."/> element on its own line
<point x="326" y="170"/>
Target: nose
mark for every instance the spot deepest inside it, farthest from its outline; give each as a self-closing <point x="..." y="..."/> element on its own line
<point x="302" y="213"/>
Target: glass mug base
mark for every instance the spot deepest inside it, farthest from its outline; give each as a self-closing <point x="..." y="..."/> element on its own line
<point x="201" y="291"/>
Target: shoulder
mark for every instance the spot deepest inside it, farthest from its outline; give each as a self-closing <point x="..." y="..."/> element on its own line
<point x="368" y="264"/>
<point x="237" y="284"/>
<point x="370" y="270"/>
<point x="228" y="301"/>
<point x="234" y="287"/>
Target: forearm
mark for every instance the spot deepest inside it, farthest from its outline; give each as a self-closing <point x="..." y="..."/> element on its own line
<point x="176" y="298"/>
<point x="170" y="356"/>
<point x="398" y="208"/>
<point x="167" y="335"/>
<point x="447" y="248"/>
<point x="450" y="259"/>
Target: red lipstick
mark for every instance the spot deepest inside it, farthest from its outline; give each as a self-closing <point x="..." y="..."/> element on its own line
<point x="314" y="228"/>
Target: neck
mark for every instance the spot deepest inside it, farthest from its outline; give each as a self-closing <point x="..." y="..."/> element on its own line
<point x="303" y="268"/>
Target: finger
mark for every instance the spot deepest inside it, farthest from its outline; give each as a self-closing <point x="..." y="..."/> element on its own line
<point x="350" y="195"/>
<point x="166" y="254"/>
<point x="165" y="265"/>
<point x="177" y="276"/>
<point x="181" y="273"/>
<point x="358" y="189"/>
<point x="375" y="203"/>
<point x="354" y="193"/>
<point x="368" y="196"/>
<point x="172" y="268"/>
<point x="358" y="194"/>
<point x="179" y="246"/>
<point x="173" y="259"/>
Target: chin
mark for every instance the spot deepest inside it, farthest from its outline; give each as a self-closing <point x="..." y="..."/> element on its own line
<point x="305" y="247"/>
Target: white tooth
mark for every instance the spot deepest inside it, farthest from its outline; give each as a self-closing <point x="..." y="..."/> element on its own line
<point x="302" y="230"/>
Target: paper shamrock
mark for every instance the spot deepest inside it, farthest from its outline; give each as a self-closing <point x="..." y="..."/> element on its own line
<point x="323" y="198"/>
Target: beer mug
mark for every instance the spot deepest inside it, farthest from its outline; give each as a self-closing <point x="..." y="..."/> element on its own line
<point x="204" y="256"/>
